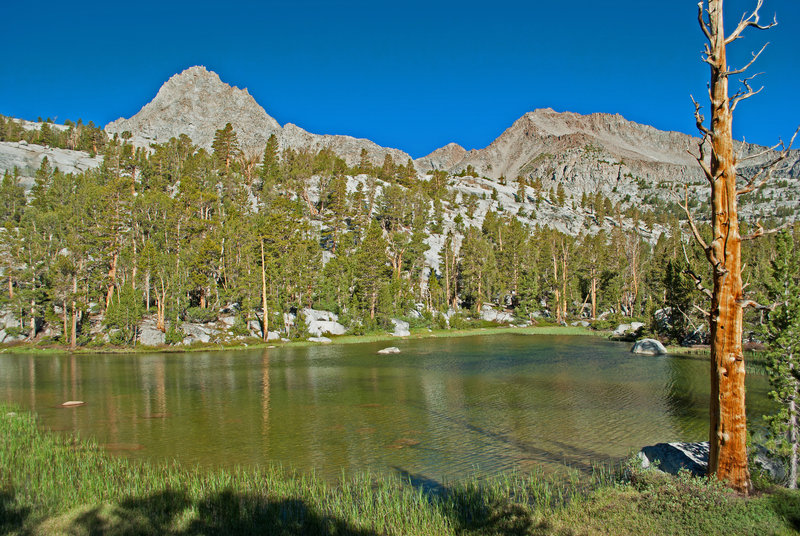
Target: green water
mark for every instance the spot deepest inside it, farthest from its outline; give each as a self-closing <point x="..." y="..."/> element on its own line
<point x="443" y="408"/>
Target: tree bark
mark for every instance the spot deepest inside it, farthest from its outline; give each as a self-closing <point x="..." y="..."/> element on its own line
<point x="728" y="426"/>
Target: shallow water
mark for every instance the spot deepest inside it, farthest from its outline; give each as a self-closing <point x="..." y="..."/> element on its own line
<point x="443" y="408"/>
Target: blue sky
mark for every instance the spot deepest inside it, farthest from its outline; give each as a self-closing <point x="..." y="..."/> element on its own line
<point x="412" y="75"/>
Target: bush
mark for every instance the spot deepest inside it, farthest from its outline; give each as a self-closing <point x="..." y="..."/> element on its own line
<point x="199" y="315"/>
<point x="173" y="335"/>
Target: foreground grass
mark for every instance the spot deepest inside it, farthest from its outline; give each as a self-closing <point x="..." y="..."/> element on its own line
<point x="251" y="344"/>
<point x="53" y="484"/>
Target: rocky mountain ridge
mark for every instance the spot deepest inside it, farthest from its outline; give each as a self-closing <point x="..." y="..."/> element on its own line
<point x="585" y="153"/>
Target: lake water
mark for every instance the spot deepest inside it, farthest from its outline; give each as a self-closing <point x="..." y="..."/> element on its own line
<point x="443" y="408"/>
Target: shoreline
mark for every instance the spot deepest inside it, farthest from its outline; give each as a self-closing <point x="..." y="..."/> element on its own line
<point x="421" y="333"/>
<point x="62" y="484"/>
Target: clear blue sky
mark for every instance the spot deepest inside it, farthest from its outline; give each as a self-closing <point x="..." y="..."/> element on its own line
<point x="412" y="75"/>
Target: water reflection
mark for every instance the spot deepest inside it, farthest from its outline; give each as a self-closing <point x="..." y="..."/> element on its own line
<point x="441" y="408"/>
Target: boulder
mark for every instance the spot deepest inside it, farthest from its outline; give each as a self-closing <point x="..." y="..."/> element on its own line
<point x="581" y="323"/>
<point x="672" y="457"/>
<point x="772" y="466"/>
<point x="151" y="337"/>
<point x="491" y="315"/>
<point x="648" y="347"/>
<point x="631" y="329"/>
<point x="197" y="333"/>
<point x="390" y="350"/>
<point x="401" y="328"/>
<point x="319" y="339"/>
<point x="321" y="322"/>
<point x="228" y="320"/>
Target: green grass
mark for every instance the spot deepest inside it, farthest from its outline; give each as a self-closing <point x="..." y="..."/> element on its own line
<point x="56" y="484"/>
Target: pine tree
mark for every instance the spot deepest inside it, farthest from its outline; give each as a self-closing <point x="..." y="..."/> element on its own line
<point x="783" y="335"/>
<point x="225" y="146"/>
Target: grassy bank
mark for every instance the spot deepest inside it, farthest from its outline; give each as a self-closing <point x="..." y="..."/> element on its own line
<point x="54" y="484"/>
<point x="256" y="343"/>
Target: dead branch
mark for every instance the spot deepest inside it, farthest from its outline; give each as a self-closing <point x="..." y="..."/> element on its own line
<point x="767" y="170"/>
<point x="761" y="231"/>
<point x="745" y="94"/>
<point x="745" y="303"/>
<point x="751" y="62"/>
<point x="699" y="118"/>
<point x="692" y="226"/>
<point x="705" y="313"/>
<point x="749" y="21"/>
<point x="766" y="151"/>
<point x="698" y="281"/>
<point x="703" y="25"/>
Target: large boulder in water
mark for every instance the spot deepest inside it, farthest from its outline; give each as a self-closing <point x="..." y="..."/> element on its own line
<point x="648" y="347"/>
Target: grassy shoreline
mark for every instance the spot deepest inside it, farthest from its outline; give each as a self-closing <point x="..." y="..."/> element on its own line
<point x="56" y="484"/>
<point x="26" y="347"/>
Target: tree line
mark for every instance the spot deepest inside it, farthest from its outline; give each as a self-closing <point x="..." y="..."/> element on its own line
<point x="180" y="233"/>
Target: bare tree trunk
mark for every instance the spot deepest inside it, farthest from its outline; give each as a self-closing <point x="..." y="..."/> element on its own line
<point x="265" y="322"/>
<point x="74" y="338"/>
<point x="793" y="439"/>
<point x="65" y="320"/>
<point x="32" y="334"/>
<point x="594" y="297"/>
<point x="10" y="288"/>
<point x="728" y="421"/>
<point x="112" y="276"/>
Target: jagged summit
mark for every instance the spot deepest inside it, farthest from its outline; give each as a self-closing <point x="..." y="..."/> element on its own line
<point x="196" y="102"/>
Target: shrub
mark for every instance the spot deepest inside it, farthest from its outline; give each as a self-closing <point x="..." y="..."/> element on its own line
<point x="199" y="315"/>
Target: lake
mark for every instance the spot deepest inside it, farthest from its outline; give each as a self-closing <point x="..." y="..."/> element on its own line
<point x="443" y="408"/>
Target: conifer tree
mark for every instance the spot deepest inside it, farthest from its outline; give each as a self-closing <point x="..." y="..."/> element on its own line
<point x="783" y="335"/>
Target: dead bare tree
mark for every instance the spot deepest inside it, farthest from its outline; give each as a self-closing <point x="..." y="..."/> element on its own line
<point x="728" y="427"/>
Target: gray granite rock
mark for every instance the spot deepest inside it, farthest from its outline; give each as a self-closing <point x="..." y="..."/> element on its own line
<point x="648" y="347"/>
<point x="672" y="457"/>
<point x="401" y="328"/>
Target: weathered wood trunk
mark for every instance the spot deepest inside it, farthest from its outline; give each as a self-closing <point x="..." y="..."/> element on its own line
<point x="265" y="322"/>
<point x="728" y="426"/>
<point x="73" y="342"/>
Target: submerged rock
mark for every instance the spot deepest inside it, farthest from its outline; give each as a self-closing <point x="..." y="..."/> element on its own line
<point x="73" y="403"/>
<point x="648" y="347"/>
<point x="390" y="350"/>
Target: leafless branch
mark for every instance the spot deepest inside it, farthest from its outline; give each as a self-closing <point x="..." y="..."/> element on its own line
<point x="744" y="303"/>
<point x="705" y="313"/>
<point x="749" y="21"/>
<point x="746" y="93"/>
<point x="766" y="151"/>
<point x="761" y="231"/>
<point x="698" y="281"/>
<point x="751" y="62"/>
<point x="699" y="118"/>
<point x="692" y="226"/>
<point x="765" y="173"/>
<point x="703" y="25"/>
